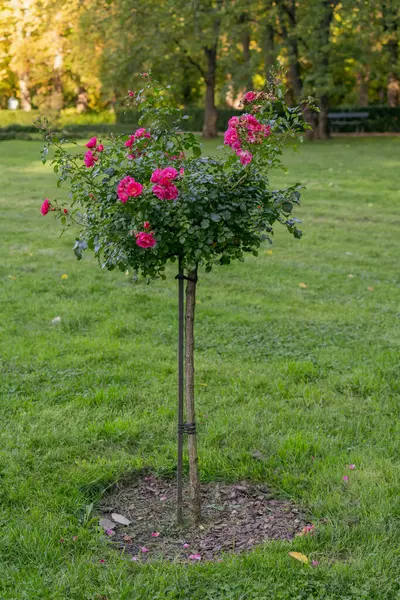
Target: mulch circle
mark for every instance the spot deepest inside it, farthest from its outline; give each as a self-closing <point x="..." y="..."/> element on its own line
<point x="236" y="518"/>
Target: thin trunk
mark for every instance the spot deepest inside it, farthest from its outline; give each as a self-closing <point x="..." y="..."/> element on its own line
<point x="248" y="79"/>
<point x="25" y="95"/>
<point x="362" y="85"/>
<point x="323" y="122"/>
<point x="393" y="90"/>
<point x="57" y="98"/>
<point x="210" y="113"/>
<point x="288" y="22"/>
<point x="194" y="480"/>
<point x="269" y="51"/>
<point x="82" y="100"/>
<point x="390" y="25"/>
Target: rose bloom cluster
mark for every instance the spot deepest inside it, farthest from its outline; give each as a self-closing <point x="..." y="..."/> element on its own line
<point x="145" y="239"/>
<point x="139" y="134"/>
<point x="164" y="188"/>
<point x="245" y="129"/>
<point x="91" y="157"/>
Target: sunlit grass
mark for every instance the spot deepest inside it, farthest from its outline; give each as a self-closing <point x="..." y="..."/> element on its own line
<point x="305" y="374"/>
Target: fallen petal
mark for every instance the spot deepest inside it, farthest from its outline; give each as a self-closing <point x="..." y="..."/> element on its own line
<point x="195" y="556"/>
<point x="120" y="519"/>
<point x="144" y="549"/>
<point x="107" y="524"/>
<point x="155" y="534"/>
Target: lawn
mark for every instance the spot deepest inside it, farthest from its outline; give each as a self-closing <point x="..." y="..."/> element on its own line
<point x="297" y="358"/>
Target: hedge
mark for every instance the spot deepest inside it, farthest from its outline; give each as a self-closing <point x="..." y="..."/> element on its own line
<point x="19" y="124"/>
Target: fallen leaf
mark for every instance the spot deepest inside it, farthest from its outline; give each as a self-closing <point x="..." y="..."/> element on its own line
<point x="120" y="519"/>
<point x="299" y="556"/>
<point x="12" y="277"/>
<point x="56" y="320"/>
<point x="106" y="524"/>
<point x="127" y="538"/>
<point x="302" y="285"/>
<point x="269" y="252"/>
<point x="204" y="384"/>
<point x="370" y="289"/>
<point x="350" y="276"/>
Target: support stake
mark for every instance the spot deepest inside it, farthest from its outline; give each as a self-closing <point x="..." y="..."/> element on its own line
<point x="179" y="483"/>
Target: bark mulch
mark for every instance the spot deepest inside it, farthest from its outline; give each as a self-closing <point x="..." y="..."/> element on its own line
<point x="236" y="518"/>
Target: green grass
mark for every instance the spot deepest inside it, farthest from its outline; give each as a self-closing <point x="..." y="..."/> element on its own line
<point x="308" y="376"/>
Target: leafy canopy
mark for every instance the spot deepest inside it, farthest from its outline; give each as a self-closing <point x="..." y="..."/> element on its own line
<point x="219" y="208"/>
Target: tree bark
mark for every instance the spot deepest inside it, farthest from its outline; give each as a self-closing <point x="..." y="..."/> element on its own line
<point x="323" y="122"/>
<point x="194" y="480"/>
<point x="25" y="95"/>
<point x="268" y="51"/>
<point x="210" y="113"/>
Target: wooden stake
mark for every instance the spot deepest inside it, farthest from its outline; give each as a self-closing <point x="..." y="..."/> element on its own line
<point x="194" y="481"/>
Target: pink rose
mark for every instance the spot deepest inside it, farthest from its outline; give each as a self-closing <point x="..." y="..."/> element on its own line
<point x="129" y="141"/>
<point x="130" y="93"/>
<point x="245" y="157"/>
<point x="142" y="133"/>
<point x="169" y="173"/>
<point x="45" y="207"/>
<point x="91" y="143"/>
<point x="230" y="136"/>
<point x="156" y="176"/>
<point x="181" y="171"/>
<point x="145" y="240"/>
<point x="165" y="192"/>
<point x="233" y="121"/>
<point x="250" y="96"/>
<point x="100" y="148"/>
<point x="89" y="158"/>
<point x="146" y="225"/>
<point x="128" y="188"/>
<point x="267" y="130"/>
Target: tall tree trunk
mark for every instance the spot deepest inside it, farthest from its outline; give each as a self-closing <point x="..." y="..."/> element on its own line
<point x="82" y="100"/>
<point x="57" y="97"/>
<point x="247" y="79"/>
<point x="194" y="480"/>
<point x="322" y="67"/>
<point x="269" y="52"/>
<point x="390" y="25"/>
<point x="323" y="122"/>
<point x="210" y="113"/>
<point x="25" y="95"/>
<point x="362" y="86"/>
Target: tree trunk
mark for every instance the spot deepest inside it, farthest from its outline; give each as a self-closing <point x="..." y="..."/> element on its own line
<point x="323" y="122"/>
<point x="247" y="79"/>
<point x="210" y="114"/>
<point x="82" y="100"/>
<point x="194" y="481"/>
<point x="393" y="90"/>
<point x="25" y="95"/>
<point x="362" y="85"/>
<point x="269" y="51"/>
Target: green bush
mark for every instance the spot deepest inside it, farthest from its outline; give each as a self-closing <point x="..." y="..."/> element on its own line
<point x="61" y="118"/>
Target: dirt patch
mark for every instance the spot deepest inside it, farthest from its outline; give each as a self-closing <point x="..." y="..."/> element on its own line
<point x="236" y="518"/>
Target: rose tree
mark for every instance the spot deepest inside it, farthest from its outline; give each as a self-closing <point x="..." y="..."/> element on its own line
<point x="142" y="201"/>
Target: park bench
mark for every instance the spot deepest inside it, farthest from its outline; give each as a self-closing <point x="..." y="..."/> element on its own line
<point x="337" y="119"/>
